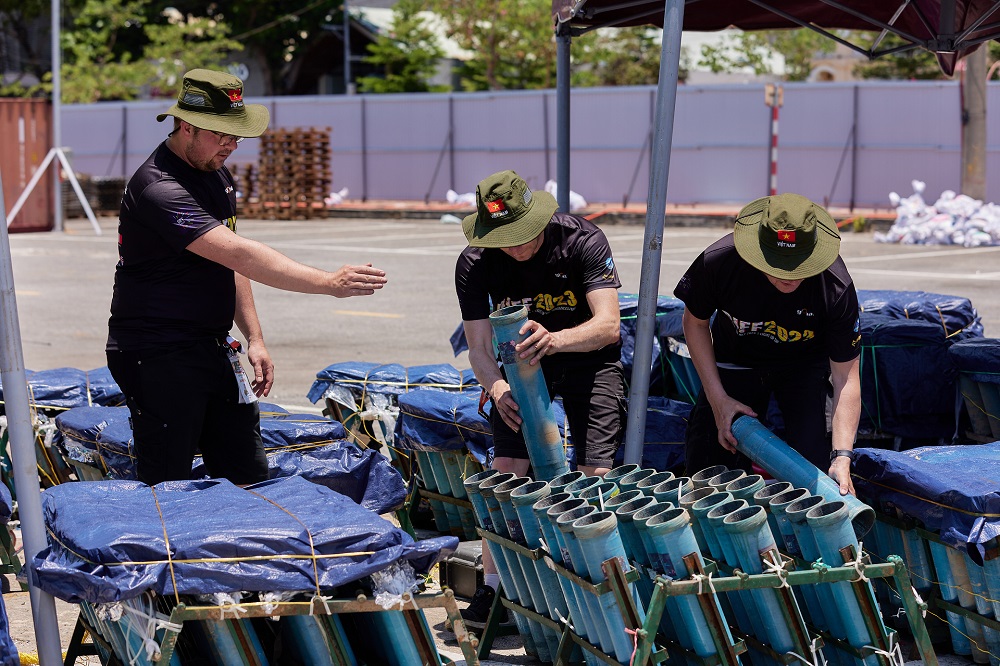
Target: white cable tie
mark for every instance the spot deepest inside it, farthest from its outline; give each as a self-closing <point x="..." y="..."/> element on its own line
<point x="701" y="578"/>
<point x="323" y="600"/>
<point x="818" y="658"/>
<point x="230" y="606"/>
<point x="564" y="620"/>
<point x="920" y="602"/>
<point x="894" y="654"/>
<point x="775" y="567"/>
<point x="169" y="626"/>
<point x="858" y="566"/>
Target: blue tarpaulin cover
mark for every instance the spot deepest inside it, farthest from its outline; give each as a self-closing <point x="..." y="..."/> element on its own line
<point x="952" y="313"/>
<point x="437" y="421"/>
<point x="666" y="424"/>
<point x="431" y="420"/>
<point x="282" y="535"/>
<point x="64" y="388"/>
<point x="907" y="378"/>
<point x="114" y="440"/>
<point x="299" y="429"/>
<point x="6" y="504"/>
<point x="952" y="490"/>
<point x="979" y="358"/>
<point x="8" y="651"/>
<point x="390" y="379"/>
<point x="79" y="428"/>
<point x="364" y="475"/>
<point x="296" y="444"/>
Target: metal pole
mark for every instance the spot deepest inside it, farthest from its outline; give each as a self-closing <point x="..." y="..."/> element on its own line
<point x="364" y="153"/>
<point x="451" y="141"/>
<point x="348" y="90"/>
<point x="57" y="220"/>
<point x="854" y="148"/>
<point x="563" y="41"/>
<point x="545" y="134"/>
<point x="22" y="443"/>
<point x="656" y="205"/>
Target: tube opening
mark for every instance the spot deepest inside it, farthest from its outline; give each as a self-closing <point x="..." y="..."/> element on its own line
<point x="743" y="514"/>
<point x="726" y="508"/>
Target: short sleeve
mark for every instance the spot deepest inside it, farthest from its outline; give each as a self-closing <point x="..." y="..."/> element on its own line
<point x="471" y="286"/>
<point x="170" y="211"/>
<point x="844" y="342"/>
<point x="694" y="288"/>
<point x="599" y="270"/>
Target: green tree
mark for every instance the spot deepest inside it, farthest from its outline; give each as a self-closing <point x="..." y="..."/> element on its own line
<point x="620" y="57"/>
<point x="513" y="42"/>
<point x="16" y="18"/>
<point x="272" y="34"/>
<point x="113" y="52"/>
<point x="408" y="54"/>
<point x="754" y="51"/>
<point x="913" y="64"/>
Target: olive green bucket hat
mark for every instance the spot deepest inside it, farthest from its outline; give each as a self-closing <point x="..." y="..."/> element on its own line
<point x="213" y="101"/>
<point x="787" y="236"/>
<point x="508" y="212"/>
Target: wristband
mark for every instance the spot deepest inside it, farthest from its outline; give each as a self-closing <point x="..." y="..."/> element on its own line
<point x="836" y="453"/>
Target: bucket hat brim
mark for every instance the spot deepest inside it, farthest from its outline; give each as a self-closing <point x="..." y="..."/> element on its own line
<point x="746" y="238"/>
<point x="251" y="123"/>
<point x="517" y="232"/>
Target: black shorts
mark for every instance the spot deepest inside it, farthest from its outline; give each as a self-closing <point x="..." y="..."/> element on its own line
<point x="183" y="399"/>
<point x="594" y="400"/>
<point x="801" y="394"/>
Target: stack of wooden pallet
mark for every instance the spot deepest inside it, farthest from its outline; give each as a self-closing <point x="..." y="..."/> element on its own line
<point x="293" y="175"/>
<point x="245" y="177"/>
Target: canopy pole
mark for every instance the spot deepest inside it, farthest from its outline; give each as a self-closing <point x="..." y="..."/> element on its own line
<point x="656" y="204"/>
<point x="563" y="41"/>
<point x="22" y="444"/>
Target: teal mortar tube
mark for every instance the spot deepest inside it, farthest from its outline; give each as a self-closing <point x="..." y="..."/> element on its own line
<point x="783" y="462"/>
<point x="832" y="529"/>
<point x="527" y="385"/>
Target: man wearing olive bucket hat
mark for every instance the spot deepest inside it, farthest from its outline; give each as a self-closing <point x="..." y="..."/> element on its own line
<point x="183" y="278"/>
<point x="786" y="324"/>
<point x="521" y="251"/>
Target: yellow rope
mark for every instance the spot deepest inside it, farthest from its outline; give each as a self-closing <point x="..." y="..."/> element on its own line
<point x="972" y="641"/>
<point x="206" y="560"/>
<point x="442" y="421"/>
<point x="969" y="400"/>
<point x="166" y="542"/>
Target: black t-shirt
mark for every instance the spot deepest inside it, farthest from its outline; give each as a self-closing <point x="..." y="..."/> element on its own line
<point x="758" y="326"/>
<point x="574" y="259"/>
<point x="165" y="294"/>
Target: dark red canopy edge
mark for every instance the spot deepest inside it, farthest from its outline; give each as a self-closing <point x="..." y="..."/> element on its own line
<point x="941" y="26"/>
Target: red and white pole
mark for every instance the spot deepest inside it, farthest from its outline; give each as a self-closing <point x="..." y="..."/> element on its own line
<point x="774" y="97"/>
<point x="773" y="181"/>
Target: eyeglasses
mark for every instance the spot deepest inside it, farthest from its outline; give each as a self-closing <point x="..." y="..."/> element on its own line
<point x="224" y="139"/>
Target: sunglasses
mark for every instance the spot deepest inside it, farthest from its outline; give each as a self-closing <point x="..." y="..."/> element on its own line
<point x="224" y="139"/>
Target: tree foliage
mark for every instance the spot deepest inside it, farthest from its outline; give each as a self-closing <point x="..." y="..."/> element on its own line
<point x="620" y="57"/>
<point x="407" y="54"/>
<point x="910" y="65"/>
<point x="113" y="51"/>
<point x="755" y="51"/>
<point x="16" y="19"/>
<point x="513" y="42"/>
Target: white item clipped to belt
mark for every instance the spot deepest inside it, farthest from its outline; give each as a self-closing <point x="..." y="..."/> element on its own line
<point x="234" y="349"/>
